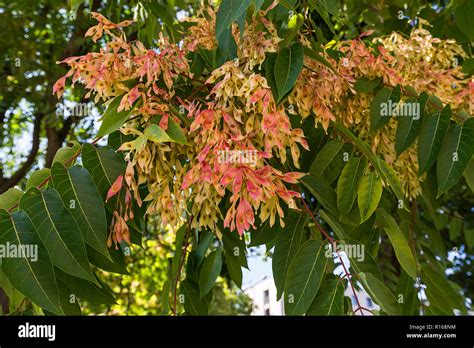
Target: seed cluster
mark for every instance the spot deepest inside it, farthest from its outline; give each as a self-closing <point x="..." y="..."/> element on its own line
<point x="240" y="114"/>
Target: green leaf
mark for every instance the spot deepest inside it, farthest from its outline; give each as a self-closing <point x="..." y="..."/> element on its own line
<point x="358" y="143"/>
<point x="439" y="291"/>
<point x="366" y="85"/>
<point x="198" y="65"/>
<point x="155" y="133"/>
<point x="281" y="11"/>
<point x="406" y="288"/>
<point x="382" y="105"/>
<point x="407" y="128"/>
<point x="117" y="265"/>
<point x="433" y="104"/>
<point x="257" y="5"/>
<point x="210" y="270"/>
<point x="227" y="48"/>
<point x="388" y="175"/>
<point x="193" y="303"/>
<point x="241" y="23"/>
<point x="329" y="300"/>
<point x="165" y="296"/>
<point x="150" y="29"/>
<point x="33" y="277"/>
<point x="38" y="177"/>
<point x="287" y="244"/>
<point x="64" y="154"/>
<point x="323" y="192"/>
<point x="113" y="120"/>
<point x="270" y="73"/>
<point x="116" y="139"/>
<point x="455" y="154"/>
<point x="235" y="254"/>
<point x="364" y="264"/>
<point x="263" y="235"/>
<point x="335" y="225"/>
<point x="294" y="24"/>
<point x="288" y="65"/>
<point x="334" y="169"/>
<point x="398" y="241"/>
<point x="232" y="241"/>
<point x="83" y="200"/>
<point x="367" y="265"/>
<point x="174" y="133"/>
<point x="468" y="66"/>
<point x="312" y="53"/>
<point x="75" y="5"/>
<point x="10" y="197"/>
<point x="234" y="268"/>
<point x="304" y="277"/>
<point x="178" y="251"/>
<point x="229" y="11"/>
<point x="205" y="240"/>
<point x="468" y="175"/>
<point x="323" y="12"/>
<point x="69" y="303"/>
<point x="348" y="183"/>
<point x="86" y="290"/>
<point x="58" y="231"/>
<point x="330" y="6"/>
<point x="369" y="193"/>
<point x="432" y="133"/>
<point x="104" y="165"/>
<point x="348" y="305"/>
<point x="165" y="12"/>
<point x="391" y="179"/>
<point x="463" y="18"/>
<point x="324" y="157"/>
<point x="380" y="294"/>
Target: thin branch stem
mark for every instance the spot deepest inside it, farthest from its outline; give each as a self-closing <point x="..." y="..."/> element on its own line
<point x="20" y="307"/>
<point x="333" y="242"/>
<point x="430" y="103"/>
<point x="360" y="308"/>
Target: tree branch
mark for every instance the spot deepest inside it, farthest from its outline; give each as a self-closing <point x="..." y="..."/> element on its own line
<point x="23" y="170"/>
<point x="56" y="138"/>
<point x="333" y="243"/>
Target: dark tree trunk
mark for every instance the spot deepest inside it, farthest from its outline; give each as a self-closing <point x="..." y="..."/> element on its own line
<point x="55" y="142"/>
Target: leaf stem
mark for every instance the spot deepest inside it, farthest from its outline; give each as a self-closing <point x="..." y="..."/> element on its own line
<point x="333" y="242"/>
<point x="432" y="104"/>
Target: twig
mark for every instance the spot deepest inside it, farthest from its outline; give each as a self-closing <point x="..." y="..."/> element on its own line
<point x="429" y="102"/>
<point x="332" y="241"/>
<point x="19" y="309"/>
<point x="360" y="308"/>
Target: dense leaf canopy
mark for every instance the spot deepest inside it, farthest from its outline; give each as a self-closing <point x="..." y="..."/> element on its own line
<point x="172" y="137"/>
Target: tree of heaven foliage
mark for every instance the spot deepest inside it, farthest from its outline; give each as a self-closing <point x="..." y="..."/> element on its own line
<point x="291" y="124"/>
